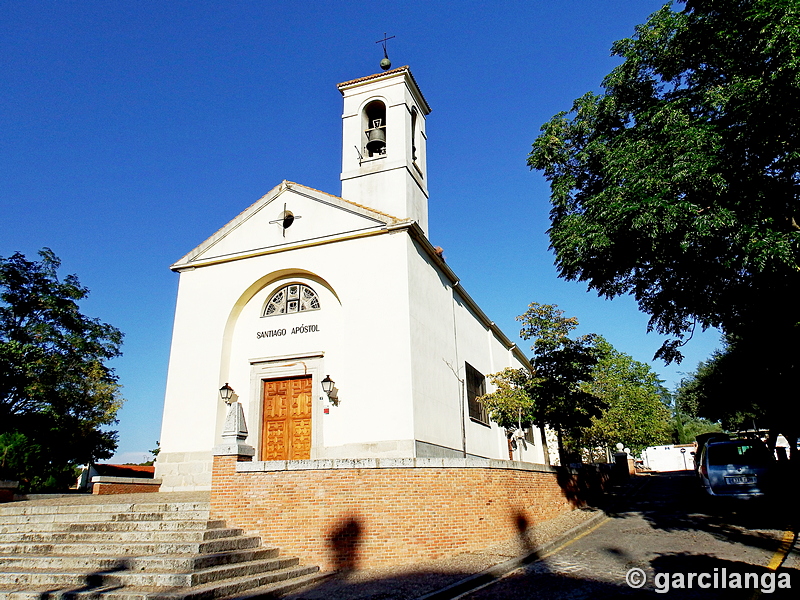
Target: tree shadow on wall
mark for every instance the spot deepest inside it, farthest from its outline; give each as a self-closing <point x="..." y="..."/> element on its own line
<point x="344" y="543"/>
<point x="584" y="486"/>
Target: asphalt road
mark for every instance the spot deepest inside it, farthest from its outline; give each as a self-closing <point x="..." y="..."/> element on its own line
<point x="669" y="530"/>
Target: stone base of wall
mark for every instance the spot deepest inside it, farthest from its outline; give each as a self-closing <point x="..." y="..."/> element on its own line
<point x="346" y="514"/>
<point x="103" y="485"/>
<point x="184" y="471"/>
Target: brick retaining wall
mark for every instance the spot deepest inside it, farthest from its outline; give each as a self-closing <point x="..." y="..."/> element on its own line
<point x="104" y="485"/>
<point x="342" y="514"/>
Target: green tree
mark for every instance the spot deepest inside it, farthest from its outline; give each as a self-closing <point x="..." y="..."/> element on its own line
<point x="686" y="428"/>
<point x="550" y="395"/>
<point x="636" y="414"/>
<point x="732" y="387"/>
<point x="680" y="183"/>
<point x="57" y="395"/>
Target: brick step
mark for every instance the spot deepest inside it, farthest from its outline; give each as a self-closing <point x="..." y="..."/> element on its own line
<point x="157" y="525"/>
<point x="133" y="549"/>
<point x="284" y="579"/>
<point x="57" y="563"/>
<point x="105" y="516"/>
<point x="121" y="576"/>
<point x="92" y="537"/>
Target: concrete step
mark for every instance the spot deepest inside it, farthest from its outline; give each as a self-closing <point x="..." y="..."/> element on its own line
<point x="88" y="517"/>
<point x="21" y="508"/>
<point x="140" y="525"/>
<point x="285" y="578"/>
<point x="132" y="549"/>
<point x="123" y="537"/>
<point x="121" y="576"/>
<point x="156" y="563"/>
<point x="281" y="588"/>
<point x="135" y="551"/>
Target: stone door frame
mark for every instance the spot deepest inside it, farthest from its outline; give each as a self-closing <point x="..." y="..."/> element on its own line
<point x="286" y="367"/>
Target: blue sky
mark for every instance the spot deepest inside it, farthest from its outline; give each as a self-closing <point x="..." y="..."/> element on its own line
<point x="131" y="131"/>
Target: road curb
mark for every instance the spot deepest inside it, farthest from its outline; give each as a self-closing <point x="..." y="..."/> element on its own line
<point x="492" y="573"/>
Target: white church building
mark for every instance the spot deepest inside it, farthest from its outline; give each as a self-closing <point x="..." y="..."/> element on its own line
<point x="339" y="326"/>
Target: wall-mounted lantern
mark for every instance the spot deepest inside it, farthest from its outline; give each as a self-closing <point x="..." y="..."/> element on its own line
<point x="226" y="393"/>
<point x="329" y="387"/>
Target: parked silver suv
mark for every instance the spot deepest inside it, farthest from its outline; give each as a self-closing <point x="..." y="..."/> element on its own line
<point x="738" y="468"/>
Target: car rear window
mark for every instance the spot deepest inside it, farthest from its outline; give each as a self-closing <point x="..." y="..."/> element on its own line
<point x="738" y="454"/>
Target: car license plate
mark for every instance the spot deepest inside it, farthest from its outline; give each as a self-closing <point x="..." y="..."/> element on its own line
<point x="739" y="480"/>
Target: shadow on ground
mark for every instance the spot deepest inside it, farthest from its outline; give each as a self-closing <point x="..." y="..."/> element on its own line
<point x="670" y="502"/>
<point x="675" y="502"/>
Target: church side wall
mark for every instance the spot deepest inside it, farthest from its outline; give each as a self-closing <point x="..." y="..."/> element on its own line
<point x="358" y="514"/>
<point x="435" y="363"/>
<point x="446" y="334"/>
<point x="481" y="348"/>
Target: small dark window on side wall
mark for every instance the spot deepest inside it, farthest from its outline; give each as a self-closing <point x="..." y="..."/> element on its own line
<point x="476" y="387"/>
<point x="529" y="435"/>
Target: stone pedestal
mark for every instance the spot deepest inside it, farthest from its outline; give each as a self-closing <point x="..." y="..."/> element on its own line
<point x="234" y="433"/>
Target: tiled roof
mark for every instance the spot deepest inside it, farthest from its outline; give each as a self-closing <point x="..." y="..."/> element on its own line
<point x="375" y="76"/>
<point x="390" y="72"/>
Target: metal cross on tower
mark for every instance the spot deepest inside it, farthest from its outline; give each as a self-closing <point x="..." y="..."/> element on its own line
<point x="385" y="63"/>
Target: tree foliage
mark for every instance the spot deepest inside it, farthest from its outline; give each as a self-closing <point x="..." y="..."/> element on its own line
<point x="686" y="428"/>
<point x="56" y="392"/>
<point x="591" y="394"/>
<point x="636" y="414"/>
<point x="512" y="403"/>
<point x="680" y="183"/>
<point x="735" y="387"/>
<point x="550" y="395"/>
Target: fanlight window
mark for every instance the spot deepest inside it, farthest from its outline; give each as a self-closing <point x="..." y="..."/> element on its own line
<point x="292" y="298"/>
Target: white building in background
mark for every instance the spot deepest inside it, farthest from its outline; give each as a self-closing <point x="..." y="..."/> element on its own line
<point x="302" y="285"/>
<point x="673" y="457"/>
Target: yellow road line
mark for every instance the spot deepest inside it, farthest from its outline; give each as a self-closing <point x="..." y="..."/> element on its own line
<point x="780" y="555"/>
<point x="783" y="550"/>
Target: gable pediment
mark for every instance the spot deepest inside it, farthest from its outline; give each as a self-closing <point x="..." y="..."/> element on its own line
<point x="287" y="216"/>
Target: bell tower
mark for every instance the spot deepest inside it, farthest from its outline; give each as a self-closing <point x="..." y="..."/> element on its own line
<point x="383" y="145"/>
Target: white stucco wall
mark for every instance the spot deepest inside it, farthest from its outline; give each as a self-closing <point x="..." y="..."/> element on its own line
<point x="446" y="333"/>
<point x="361" y="340"/>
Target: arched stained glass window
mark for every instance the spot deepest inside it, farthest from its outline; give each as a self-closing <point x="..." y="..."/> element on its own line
<point x="292" y="298"/>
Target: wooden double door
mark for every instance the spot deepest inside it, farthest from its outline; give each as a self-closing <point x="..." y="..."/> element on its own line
<point x="286" y="421"/>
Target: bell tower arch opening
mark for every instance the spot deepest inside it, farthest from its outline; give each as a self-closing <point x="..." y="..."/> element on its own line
<point x="374" y="121"/>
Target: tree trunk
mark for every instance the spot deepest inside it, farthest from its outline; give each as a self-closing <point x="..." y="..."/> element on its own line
<point x="562" y="455"/>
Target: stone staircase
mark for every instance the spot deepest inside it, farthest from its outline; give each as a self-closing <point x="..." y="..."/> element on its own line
<point x="136" y="550"/>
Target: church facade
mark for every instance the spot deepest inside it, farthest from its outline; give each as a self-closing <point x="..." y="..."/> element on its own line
<point x="339" y="327"/>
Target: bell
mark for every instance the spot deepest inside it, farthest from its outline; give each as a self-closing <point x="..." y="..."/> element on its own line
<point x="376" y="140"/>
